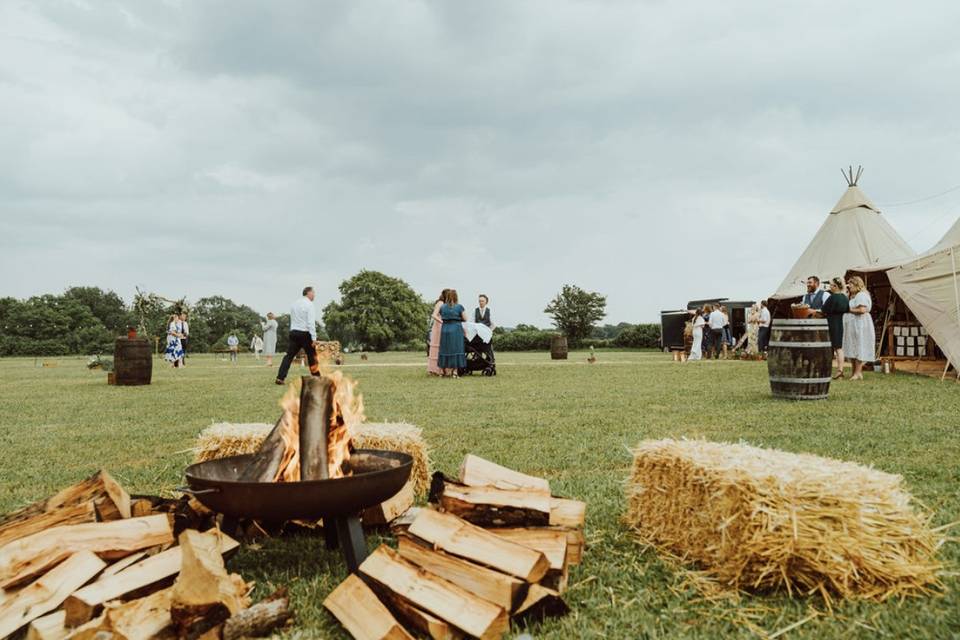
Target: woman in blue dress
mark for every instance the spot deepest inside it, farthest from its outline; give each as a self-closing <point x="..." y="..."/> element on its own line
<point x="453" y="315"/>
<point x="174" y="351"/>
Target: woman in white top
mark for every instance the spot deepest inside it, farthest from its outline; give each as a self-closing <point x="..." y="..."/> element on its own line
<point x="174" y="351"/>
<point x="696" y="351"/>
<point x="256" y="345"/>
<point x="269" y="338"/>
<point x="859" y="336"/>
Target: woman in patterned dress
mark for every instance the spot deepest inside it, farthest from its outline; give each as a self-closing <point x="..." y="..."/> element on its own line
<point x="174" y="351"/>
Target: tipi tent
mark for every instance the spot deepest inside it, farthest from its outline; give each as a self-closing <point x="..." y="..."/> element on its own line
<point x="930" y="286"/>
<point x="950" y="239"/>
<point x="853" y="235"/>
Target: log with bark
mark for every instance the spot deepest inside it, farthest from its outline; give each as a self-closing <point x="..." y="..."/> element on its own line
<point x="316" y="416"/>
<point x="489" y="506"/>
<point x="266" y="462"/>
<point x="151" y="572"/>
<point x="48" y="592"/>
<point x="478" y="472"/>
<point x="204" y="594"/>
<point x="460" y="538"/>
<point x="357" y="608"/>
<point x="23" y="559"/>
<point x="260" y="619"/>
<point x="498" y="588"/>
<point x="465" y="611"/>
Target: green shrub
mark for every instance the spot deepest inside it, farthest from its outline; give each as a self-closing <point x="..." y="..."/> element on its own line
<point x="639" y="336"/>
<point x="525" y="340"/>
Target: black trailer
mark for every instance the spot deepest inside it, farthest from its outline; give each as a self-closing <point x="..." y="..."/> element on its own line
<point x="671" y="329"/>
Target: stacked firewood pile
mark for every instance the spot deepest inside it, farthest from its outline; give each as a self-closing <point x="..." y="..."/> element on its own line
<point x="494" y="546"/>
<point x="90" y="562"/>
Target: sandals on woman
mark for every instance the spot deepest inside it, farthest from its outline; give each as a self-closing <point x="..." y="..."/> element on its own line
<point x="838" y="376"/>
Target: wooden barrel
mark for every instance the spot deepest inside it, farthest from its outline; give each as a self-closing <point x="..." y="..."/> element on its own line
<point x="558" y="348"/>
<point x="800" y="359"/>
<point x="132" y="361"/>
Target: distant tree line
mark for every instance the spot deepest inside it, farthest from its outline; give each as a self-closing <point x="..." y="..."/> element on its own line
<point x="376" y="312"/>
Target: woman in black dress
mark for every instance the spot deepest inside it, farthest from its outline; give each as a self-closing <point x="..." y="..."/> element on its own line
<point x="833" y="309"/>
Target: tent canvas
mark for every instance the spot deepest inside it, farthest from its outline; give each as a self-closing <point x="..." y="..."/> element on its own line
<point x="930" y="286"/>
<point x="950" y="239"/>
<point x="854" y="234"/>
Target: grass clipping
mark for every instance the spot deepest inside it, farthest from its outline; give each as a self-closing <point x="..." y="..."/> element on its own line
<point x="768" y="520"/>
<point x="229" y="439"/>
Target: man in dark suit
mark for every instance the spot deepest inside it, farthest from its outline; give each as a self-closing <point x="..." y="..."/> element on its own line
<point x="481" y="314"/>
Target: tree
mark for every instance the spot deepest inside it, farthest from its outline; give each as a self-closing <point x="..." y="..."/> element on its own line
<point x="376" y="312"/>
<point x="575" y="311"/>
<point x="213" y="317"/>
<point x="106" y="306"/>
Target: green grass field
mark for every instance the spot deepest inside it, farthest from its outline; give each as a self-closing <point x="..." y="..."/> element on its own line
<point x="570" y="422"/>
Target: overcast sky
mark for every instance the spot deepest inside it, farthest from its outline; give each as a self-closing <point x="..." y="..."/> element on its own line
<point x="653" y="151"/>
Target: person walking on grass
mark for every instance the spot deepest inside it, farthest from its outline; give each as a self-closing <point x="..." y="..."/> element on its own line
<point x="859" y="336"/>
<point x="303" y="335"/>
<point x="717" y="320"/>
<point x="256" y="345"/>
<point x="269" y="338"/>
<point x="452" y="357"/>
<point x="233" y="344"/>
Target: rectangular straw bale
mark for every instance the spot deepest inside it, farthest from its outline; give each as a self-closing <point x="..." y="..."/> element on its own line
<point x="226" y="439"/>
<point x="762" y="519"/>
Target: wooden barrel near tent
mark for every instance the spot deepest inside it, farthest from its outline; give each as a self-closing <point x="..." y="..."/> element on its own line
<point x="132" y="361"/>
<point x="800" y="359"/>
<point x="558" y="348"/>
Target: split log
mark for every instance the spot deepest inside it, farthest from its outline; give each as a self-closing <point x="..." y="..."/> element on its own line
<point x="414" y="618"/>
<point x="567" y="513"/>
<point x="69" y="506"/>
<point x="459" y="607"/>
<point x="204" y="594"/>
<point x="135" y="579"/>
<point x="361" y="613"/>
<point x="266" y="462"/>
<point x="460" y="538"/>
<point x="492" y="507"/>
<point x="477" y="472"/>
<point x="316" y="415"/>
<point x="122" y="564"/>
<point x="260" y="619"/>
<point x="493" y="586"/>
<point x="27" y="557"/>
<point x="387" y="511"/>
<point x="48" y="592"/>
<point x="145" y="618"/>
<point x="67" y="514"/>
<point x="49" y="627"/>
<point x="141" y="507"/>
<point x="541" y="603"/>
<point x="550" y="542"/>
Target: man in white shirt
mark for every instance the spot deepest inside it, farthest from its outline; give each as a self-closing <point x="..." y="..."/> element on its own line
<point x="717" y="321"/>
<point x="763" y="334"/>
<point x="185" y="330"/>
<point x="303" y="335"/>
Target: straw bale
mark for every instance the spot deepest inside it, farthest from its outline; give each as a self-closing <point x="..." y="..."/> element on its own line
<point x="767" y="520"/>
<point x="227" y="439"/>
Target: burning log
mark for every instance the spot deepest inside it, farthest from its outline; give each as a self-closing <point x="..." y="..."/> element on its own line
<point x="459" y="607"/>
<point x="27" y="557"/>
<point x="204" y="595"/>
<point x="460" y="538"/>
<point x="361" y="613"/>
<point x="496" y="587"/>
<point x="260" y="619"/>
<point x="48" y="592"/>
<point x="489" y="506"/>
<point x="87" y="602"/>
<point x="266" y="463"/>
<point x="316" y="420"/>
<point x="477" y="472"/>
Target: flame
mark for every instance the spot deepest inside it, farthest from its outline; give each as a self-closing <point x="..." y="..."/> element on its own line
<point x="347" y="413"/>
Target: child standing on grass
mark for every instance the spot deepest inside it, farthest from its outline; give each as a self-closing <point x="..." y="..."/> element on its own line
<point x="233" y="343"/>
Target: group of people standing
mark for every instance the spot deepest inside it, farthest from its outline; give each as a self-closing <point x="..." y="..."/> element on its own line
<point x="446" y="354"/>
<point x="712" y="333"/>
<point x="847" y="308"/>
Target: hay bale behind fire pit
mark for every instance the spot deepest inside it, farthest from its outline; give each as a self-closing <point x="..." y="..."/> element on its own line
<point x="762" y="519"/>
<point x="228" y="439"/>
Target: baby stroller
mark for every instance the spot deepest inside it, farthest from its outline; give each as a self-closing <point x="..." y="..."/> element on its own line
<point x="479" y="350"/>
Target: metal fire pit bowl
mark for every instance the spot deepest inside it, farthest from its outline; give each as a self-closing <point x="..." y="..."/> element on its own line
<point x="376" y="476"/>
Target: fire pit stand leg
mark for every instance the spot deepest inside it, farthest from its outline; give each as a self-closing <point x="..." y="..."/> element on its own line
<point x="348" y="534"/>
